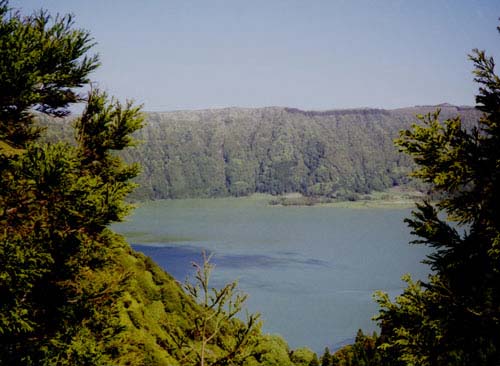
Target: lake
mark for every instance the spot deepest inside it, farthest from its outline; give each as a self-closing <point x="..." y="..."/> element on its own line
<point x="310" y="271"/>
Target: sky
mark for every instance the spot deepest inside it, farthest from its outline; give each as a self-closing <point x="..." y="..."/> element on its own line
<point x="313" y="55"/>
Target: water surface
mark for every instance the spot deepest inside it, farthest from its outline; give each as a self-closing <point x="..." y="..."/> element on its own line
<point x="310" y="271"/>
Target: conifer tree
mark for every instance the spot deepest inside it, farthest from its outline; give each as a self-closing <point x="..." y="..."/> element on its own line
<point x="218" y="309"/>
<point x="326" y="359"/>
<point x="454" y="317"/>
<point x="42" y="60"/>
<point x="58" y="279"/>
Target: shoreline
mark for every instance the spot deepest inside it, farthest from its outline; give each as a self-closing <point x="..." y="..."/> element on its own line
<point x="376" y="200"/>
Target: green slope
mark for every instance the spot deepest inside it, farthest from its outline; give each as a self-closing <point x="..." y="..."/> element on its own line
<point x="154" y="310"/>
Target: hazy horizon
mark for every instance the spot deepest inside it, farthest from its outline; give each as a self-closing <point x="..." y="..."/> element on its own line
<point x="322" y="55"/>
<point x="444" y="104"/>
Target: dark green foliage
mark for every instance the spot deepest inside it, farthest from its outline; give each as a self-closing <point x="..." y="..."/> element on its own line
<point x="365" y="349"/>
<point x="59" y="280"/>
<point x="314" y="361"/>
<point x="363" y="352"/>
<point x="56" y="205"/>
<point x="453" y="318"/>
<point x="326" y="358"/>
<point x="41" y="60"/>
<point x="335" y="154"/>
<point x="72" y="291"/>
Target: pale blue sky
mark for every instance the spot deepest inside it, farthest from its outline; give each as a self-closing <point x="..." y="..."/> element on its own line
<point x="187" y="54"/>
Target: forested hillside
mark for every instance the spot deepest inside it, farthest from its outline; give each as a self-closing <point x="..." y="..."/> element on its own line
<point x="239" y="151"/>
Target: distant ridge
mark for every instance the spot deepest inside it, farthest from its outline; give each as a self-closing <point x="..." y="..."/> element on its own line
<point x="314" y="111"/>
<point x="333" y="112"/>
<point x="342" y="153"/>
<point x="441" y="106"/>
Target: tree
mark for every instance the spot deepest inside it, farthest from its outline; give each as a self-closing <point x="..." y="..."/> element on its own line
<point x="454" y="317"/>
<point x="303" y="357"/>
<point x="326" y="359"/>
<point x="218" y="310"/>
<point x="314" y="361"/>
<point x="363" y="352"/>
<point x="59" y="279"/>
<point x="42" y="60"/>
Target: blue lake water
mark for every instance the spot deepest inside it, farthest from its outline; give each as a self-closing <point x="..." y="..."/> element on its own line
<point x="310" y="271"/>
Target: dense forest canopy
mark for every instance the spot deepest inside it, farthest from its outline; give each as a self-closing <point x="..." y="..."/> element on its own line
<point x="236" y="151"/>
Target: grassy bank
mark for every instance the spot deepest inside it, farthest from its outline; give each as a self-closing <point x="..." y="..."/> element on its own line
<point x="392" y="198"/>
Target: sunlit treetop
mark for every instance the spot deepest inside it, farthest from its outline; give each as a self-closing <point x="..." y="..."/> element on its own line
<point x="43" y="62"/>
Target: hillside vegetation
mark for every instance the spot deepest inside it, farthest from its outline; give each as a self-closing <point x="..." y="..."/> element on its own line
<point x="72" y="291"/>
<point x="240" y="151"/>
<point x="75" y="293"/>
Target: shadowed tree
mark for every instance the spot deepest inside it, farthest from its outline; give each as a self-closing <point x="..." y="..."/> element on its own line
<point x="454" y="317"/>
<point x="59" y="280"/>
